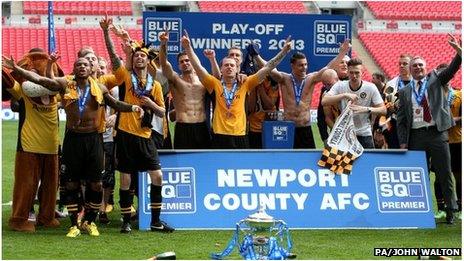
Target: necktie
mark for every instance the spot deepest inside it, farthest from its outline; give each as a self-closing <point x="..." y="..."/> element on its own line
<point x="425" y="105"/>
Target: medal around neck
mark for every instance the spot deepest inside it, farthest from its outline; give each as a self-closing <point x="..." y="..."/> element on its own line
<point x="260" y="237"/>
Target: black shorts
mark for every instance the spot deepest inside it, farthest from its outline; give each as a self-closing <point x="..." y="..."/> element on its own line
<point x="135" y="153"/>
<point x="255" y="139"/>
<point x="108" y="177"/>
<point x="192" y="136"/>
<point x="83" y="156"/>
<point x="456" y="156"/>
<point x="304" y="138"/>
<point x="221" y="141"/>
<point x="158" y="139"/>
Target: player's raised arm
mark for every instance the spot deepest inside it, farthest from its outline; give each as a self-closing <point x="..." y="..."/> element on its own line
<point x="56" y="84"/>
<point x="166" y="66"/>
<point x="272" y="64"/>
<point x="200" y="70"/>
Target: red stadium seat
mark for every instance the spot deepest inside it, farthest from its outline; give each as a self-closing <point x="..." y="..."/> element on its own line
<point x="426" y="26"/>
<point x="392" y="25"/>
<point x="68" y="42"/>
<point x="295" y="7"/>
<point x="416" y="10"/>
<point x="433" y="47"/>
<point x="79" y="8"/>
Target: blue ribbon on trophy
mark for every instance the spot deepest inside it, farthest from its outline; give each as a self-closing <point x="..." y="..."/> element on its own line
<point x="263" y="237"/>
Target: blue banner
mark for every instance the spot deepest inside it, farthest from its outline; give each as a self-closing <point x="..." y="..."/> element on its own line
<point x="51" y="29"/>
<point x="214" y="190"/>
<point x="317" y="36"/>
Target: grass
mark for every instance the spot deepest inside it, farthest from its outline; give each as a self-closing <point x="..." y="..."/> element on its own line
<point x="308" y="244"/>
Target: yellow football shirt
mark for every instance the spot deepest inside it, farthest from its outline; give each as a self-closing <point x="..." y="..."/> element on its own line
<point x="230" y="121"/>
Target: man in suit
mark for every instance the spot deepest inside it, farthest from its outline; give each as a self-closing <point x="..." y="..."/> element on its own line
<point x="424" y="118"/>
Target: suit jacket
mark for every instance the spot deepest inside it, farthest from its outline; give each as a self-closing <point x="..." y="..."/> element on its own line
<point x="438" y="103"/>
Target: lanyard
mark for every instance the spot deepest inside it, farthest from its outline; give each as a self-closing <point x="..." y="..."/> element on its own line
<point x="298" y="89"/>
<point x="401" y="83"/>
<point x="83" y="100"/>
<point x="229" y="95"/>
<point x="146" y="89"/>
<point x="450" y="96"/>
<point x="422" y="89"/>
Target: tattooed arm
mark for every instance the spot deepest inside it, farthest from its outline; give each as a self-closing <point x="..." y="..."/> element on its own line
<point x="271" y="64"/>
<point x="105" y="24"/>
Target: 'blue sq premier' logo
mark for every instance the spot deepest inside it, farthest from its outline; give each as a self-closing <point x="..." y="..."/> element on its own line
<point x="401" y="190"/>
<point x="328" y="35"/>
<point x="154" y="26"/>
<point x="178" y="191"/>
<point x="279" y="133"/>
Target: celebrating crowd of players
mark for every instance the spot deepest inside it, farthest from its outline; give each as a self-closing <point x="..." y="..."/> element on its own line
<point x="123" y="115"/>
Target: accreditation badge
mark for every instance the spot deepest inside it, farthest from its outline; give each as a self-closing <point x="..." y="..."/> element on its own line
<point x="418" y="113"/>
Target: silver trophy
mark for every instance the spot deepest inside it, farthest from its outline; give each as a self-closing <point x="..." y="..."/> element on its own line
<point x="260" y="237"/>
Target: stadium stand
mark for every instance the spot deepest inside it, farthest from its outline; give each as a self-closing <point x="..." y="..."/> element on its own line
<point x="294" y="7"/>
<point x="386" y="47"/>
<point x="79" y="8"/>
<point x="77" y="25"/>
<point x="414" y="10"/>
<point x="69" y="41"/>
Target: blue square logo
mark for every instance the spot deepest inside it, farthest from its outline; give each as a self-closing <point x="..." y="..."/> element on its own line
<point x="154" y="26"/>
<point x="415" y="190"/>
<point x="279" y="133"/>
<point x="328" y="35"/>
<point x="183" y="191"/>
<point x="401" y="190"/>
<point x="178" y="191"/>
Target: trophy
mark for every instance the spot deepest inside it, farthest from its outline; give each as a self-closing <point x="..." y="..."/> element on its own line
<point x="260" y="237"/>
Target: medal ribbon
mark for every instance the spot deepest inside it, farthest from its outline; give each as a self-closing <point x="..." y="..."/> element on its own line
<point x="135" y="84"/>
<point x="298" y="90"/>
<point x="450" y="96"/>
<point x="401" y="83"/>
<point x="229" y="95"/>
<point x="422" y="89"/>
<point x="82" y="100"/>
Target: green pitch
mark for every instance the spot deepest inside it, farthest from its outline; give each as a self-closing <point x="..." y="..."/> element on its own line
<point x="308" y="244"/>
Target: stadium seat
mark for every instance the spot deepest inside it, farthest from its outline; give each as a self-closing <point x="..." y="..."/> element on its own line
<point x="426" y="26"/>
<point x="392" y="25"/>
<point x="68" y="42"/>
<point x="416" y="10"/>
<point x="433" y="47"/>
<point x="79" y="8"/>
<point x="295" y="7"/>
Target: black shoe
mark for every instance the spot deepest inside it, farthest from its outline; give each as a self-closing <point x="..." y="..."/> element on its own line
<point x="161" y="226"/>
<point x="450" y="216"/>
<point x="126" y="228"/>
<point x="103" y="218"/>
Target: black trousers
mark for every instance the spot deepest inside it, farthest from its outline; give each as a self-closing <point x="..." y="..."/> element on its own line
<point x="435" y="145"/>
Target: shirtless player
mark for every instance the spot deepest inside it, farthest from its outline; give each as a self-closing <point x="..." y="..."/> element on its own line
<point x="297" y="90"/>
<point x="189" y="101"/>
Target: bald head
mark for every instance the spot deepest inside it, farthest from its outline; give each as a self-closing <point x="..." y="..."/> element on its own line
<point x="329" y="77"/>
